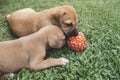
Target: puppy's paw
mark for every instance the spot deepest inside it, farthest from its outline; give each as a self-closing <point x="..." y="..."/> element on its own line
<point x="7" y="16"/>
<point x="64" y="61"/>
<point x="11" y="74"/>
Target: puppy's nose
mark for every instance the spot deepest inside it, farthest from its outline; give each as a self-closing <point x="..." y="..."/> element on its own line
<point x="73" y="33"/>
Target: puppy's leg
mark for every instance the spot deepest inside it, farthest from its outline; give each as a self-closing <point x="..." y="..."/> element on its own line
<point x="39" y="65"/>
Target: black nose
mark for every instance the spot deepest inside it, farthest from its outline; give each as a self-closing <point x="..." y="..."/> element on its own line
<point x="73" y="33"/>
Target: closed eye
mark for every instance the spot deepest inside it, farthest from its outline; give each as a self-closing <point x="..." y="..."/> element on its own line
<point x="69" y="24"/>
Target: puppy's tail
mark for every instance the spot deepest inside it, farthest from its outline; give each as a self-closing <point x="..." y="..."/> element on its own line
<point x="7" y="17"/>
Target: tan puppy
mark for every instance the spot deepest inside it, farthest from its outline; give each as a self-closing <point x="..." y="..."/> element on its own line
<point x="29" y="51"/>
<point x="26" y="21"/>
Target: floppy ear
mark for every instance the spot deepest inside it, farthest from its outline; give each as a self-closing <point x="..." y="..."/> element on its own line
<point x="57" y="14"/>
<point x="61" y="36"/>
<point x="52" y="41"/>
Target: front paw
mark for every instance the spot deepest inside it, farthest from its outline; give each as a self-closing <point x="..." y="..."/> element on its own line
<point x="63" y="61"/>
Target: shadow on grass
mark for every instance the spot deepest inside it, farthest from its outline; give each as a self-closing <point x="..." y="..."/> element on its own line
<point x="3" y="2"/>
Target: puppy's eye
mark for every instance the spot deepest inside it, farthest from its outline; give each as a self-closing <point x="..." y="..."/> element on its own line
<point x="69" y="24"/>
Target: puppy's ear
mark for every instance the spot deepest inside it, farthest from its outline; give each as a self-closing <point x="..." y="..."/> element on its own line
<point x="52" y="41"/>
<point x="57" y="14"/>
<point x="61" y="36"/>
<point x="56" y="41"/>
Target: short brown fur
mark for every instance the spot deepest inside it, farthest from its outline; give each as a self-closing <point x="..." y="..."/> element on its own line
<point x="29" y="51"/>
<point x="26" y="21"/>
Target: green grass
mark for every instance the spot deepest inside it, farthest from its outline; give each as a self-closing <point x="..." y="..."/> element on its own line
<point x="99" y="21"/>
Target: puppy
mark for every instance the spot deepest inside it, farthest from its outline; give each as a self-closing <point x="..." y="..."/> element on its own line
<point x="29" y="51"/>
<point x="26" y="21"/>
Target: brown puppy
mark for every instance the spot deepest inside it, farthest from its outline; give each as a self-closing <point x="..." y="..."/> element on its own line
<point x="29" y="51"/>
<point x="26" y="21"/>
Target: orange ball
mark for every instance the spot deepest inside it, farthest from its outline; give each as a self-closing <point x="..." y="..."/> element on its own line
<point x="77" y="43"/>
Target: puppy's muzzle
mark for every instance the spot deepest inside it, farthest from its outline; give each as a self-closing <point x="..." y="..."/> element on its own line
<point x="73" y="33"/>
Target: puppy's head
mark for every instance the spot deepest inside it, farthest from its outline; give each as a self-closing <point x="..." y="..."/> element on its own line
<point x="66" y="18"/>
<point x="56" y="40"/>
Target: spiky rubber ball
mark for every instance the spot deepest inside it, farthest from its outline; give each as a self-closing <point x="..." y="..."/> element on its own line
<point x="77" y="43"/>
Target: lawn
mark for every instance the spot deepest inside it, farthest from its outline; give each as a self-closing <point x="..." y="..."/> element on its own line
<point x="99" y="21"/>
